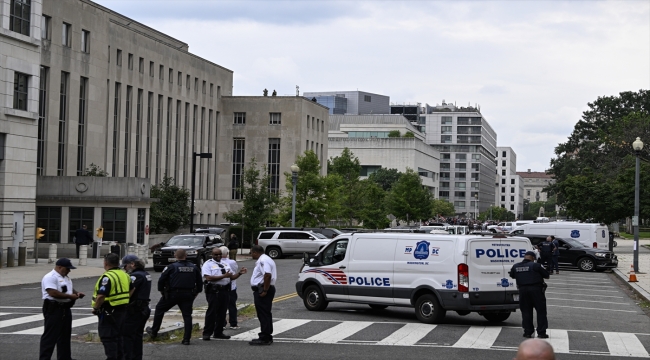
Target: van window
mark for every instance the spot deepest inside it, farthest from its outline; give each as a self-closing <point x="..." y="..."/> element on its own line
<point x="335" y="252"/>
<point x="375" y="250"/>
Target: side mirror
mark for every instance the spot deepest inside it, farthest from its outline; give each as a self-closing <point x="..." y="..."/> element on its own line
<point x="311" y="259"/>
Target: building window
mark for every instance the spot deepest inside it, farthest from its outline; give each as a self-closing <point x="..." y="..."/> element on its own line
<point x="475" y="185"/>
<point x="211" y="89"/>
<point x="503" y="172"/>
<point x="142" y="213"/>
<point x="512" y="190"/>
<point x="476" y="156"/>
<point x="239" y="118"/>
<point x="20" y="91"/>
<point x="114" y="224"/>
<point x="503" y="198"/>
<point x="177" y="145"/>
<point x="187" y="81"/>
<point x="170" y="104"/>
<point x="512" y="181"/>
<point x="238" y="156"/>
<point x="443" y="194"/>
<point x="275" y="118"/>
<point x="127" y="128"/>
<point x="460" y="167"/>
<point x="49" y="218"/>
<point x="63" y="115"/>
<point x="161" y="72"/>
<point x="512" y="198"/>
<point x="445" y="129"/>
<point x="187" y="142"/>
<point x="445" y="156"/>
<point x="141" y="65"/>
<point x="459" y="204"/>
<point x="81" y="133"/>
<point x="474" y="177"/>
<point x="138" y="130"/>
<point x="196" y="84"/>
<point x="150" y="68"/>
<point x="446" y="120"/>
<point x="459" y="194"/>
<point x="118" y="57"/>
<point x="66" y="33"/>
<point x="116" y="127"/>
<point x="445" y="139"/>
<point x="158" y="137"/>
<point x="147" y="155"/>
<point x="204" y="87"/>
<point x="80" y="216"/>
<point x="274" y="165"/>
<point x="527" y="192"/>
<point x="503" y="154"/>
<point x="503" y="163"/>
<point x="180" y="79"/>
<point x="46" y="24"/>
<point x="460" y="175"/>
<point x="503" y="189"/>
<point x="130" y="61"/>
<point x="20" y="15"/>
<point x="42" y="111"/>
<point x="367" y="98"/>
<point x="512" y="206"/>
<point x="85" y="41"/>
<point x="460" y="185"/>
<point x="475" y="167"/>
<point x="503" y="181"/>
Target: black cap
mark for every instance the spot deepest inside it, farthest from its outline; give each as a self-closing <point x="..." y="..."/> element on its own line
<point x="530" y="253"/>
<point x="65" y="262"/>
<point x="128" y="259"/>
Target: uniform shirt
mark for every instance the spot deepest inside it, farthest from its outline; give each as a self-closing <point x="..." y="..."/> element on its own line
<point x="235" y="269"/>
<point x="53" y="280"/>
<point x="181" y="275"/>
<point x="528" y="272"/>
<point x="546" y="247"/>
<point x="141" y="281"/>
<point x="214" y="268"/>
<point x="263" y="265"/>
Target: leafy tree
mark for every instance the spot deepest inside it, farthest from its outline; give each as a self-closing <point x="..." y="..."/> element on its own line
<point x="441" y="207"/>
<point x="373" y="212"/>
<point x="496" y="213"/>
<point x="173" y="208"/>
<point x="394" y="134"/>
<point x="348" y="168"/>
<point x="385" y="177"/>
<point x="409" y="200"/>
<point x="94" y="170"/>
<point x="409" y="134"/>
<point x="312" y="201"/>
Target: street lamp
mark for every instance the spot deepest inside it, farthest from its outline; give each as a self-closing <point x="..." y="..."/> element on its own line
<point x="194" y="156"/>
<point x="476" y="206"/>
<point x="637" y="145"/>
<point x="294" y="181"/>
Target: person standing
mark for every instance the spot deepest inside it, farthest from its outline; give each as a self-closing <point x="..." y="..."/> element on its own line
<point x="530" y="282"/>
<point x="110" y="298"/>
<point x="263" y="286"/>
<point x="138" y="311"/>
<point x="232" y="303"/>
<point x="82" y="237"/>
<point x="546" y="253"/>
<point x="58" y="297"/>
<point x="179" y="284"/>
<point x="556" y="256"/>
<point x="233" y="245"/>
<point x="217" y="275"/>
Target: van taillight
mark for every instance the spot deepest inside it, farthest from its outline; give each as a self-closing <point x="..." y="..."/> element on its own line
<point x="463" y="278"/>
<point x="595" y="245"/>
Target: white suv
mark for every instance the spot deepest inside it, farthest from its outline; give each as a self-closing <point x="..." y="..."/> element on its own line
<point x="278" y="243"/>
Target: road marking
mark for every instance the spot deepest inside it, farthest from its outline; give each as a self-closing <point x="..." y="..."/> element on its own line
<point x="593" y="301"/>
<point x="559" y="339"/>
<point x="38" y="307"/>
<point x="622" y="344"/>
<point x="1" y="313"/>
<point x="573" y="287"/>
<point x="408" y="334"/>
<point x="20" y="320"/>
<point x="75" y="323"/>
<point x="284" y="297"/>
<point x="600" y="296"/>
<point x="278" y="327"/>
<point x="586" y="308"/>
<point x="478" y="337"/>
<point x="579" y="283"/>
<point x="339" y="332"/>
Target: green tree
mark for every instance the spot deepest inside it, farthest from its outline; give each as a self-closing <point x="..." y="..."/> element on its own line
<point x="348" y="168"/>
<point x="312" y="201"/>
<point x="394" y="134"/>
<point x="94" y="170"/>
<point x="373" y="212"/>
<point x="408" y="199"/>
<point x="409" y="134"/>
<point x="172" y="209"/>
<point x="441" y="207"/>
<point x="385" y="177"/>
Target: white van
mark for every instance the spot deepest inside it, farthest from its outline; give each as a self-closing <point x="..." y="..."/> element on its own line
<point x="432" y="273"/>
<point x="589" y="234"/>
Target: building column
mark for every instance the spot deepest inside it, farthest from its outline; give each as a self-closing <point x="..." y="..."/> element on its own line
<point x="97" y="222"/>
<point x="65" y="225"/>
<point x="132" y="225"/>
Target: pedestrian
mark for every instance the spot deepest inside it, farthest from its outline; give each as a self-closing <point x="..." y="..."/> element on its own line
<point x="82" y="237"/>
<point x="233" y="245"/>
<point x="556" y="256"/>
<point x="232" y="303"/>
<point x="546" y="253"/>
<point x="217" y="275"/>
<point x="58" y="297"/>
<point x="110" y="298"/>
<point x="138" y="311"/>
<point x="179" y="284"/>
<point x="530" y="282"/>
<point x="535" y="349"/>
<point x="263" y="286"/>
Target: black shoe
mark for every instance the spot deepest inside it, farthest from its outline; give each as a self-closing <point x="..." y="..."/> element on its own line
<point x="258" y="342"/>
<point x="542" y="336"/>
<point x="185" y="342"/>
<point x="221" y="336"/>
<point x="529" y="336"/>
<point x="152" y="334"/>
<point x="206" y="338"/>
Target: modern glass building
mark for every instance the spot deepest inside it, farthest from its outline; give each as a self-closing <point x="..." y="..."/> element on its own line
<point x="338" y="105"/>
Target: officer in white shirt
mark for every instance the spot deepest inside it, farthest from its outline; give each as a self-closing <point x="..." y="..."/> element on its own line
<point x="58" y="297"/>
<point x="263" y="286"/>
<point x="232" y="303"/>
<point x="217" y="276"/>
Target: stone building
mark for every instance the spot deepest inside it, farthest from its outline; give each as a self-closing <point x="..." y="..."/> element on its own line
<point x="510" y="186"/>
<point x="534" y="184"/>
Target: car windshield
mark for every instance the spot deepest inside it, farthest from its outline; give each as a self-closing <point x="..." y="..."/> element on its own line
<point x="319" y="235"/>
<point x="185" y="241"/>
<point x="574" y="243"/>
<point x="337" y="231"/>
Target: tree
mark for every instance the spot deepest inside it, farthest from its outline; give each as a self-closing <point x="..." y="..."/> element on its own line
<point x="409" y="134"/>
<point x="394" y="134"/>
<point x="385" y="177"/>
<point x="348" y="168"/>
<point x="258" y="203"/>
<point x="373" y="212"/>
<point x="173" y="208"/>
<point x="409" y="200"/>
<point x="441" y="207"/>
<point x="94" y="170"/>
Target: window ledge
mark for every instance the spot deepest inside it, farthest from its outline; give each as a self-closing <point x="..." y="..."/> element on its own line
<point x="20" y="113"/>
<point x="20" y="37"/>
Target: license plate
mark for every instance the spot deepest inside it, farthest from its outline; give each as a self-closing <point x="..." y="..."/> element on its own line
<point x="171" y="259"/>
<point x="515" y="297"/>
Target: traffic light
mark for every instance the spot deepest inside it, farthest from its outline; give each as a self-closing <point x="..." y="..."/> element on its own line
<point x="100" y="232"/>
<point x="40" y="232"/>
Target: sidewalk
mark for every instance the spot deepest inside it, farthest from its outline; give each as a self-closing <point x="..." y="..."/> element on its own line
<point x="625" y="260"/>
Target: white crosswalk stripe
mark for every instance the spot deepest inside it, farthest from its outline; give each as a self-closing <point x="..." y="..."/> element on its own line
<point x="20" y="320"/>
<point x="478" y="337"/>
<point x="75" y="323"/>
<point x="409" y="334"/>
<point x="339" y="332"/>
<point x="278" y="328"/>
<point x="559" y="339"/>
<point x="623" y="344"/>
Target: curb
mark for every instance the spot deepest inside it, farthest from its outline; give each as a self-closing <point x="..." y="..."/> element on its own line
<point x="637" y="289"/>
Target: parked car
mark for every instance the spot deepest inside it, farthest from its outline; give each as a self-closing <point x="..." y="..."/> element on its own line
<point x="329" y="233"/>
<point x="212" y="230"/>
<point x="574" y="253"/>
<point x="198" y="247"/>
<point x="279" y="243"/>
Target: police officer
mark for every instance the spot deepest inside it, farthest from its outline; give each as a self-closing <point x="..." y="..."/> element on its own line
<point x="263" y="285"/>
<point x="232" y="303"/>
<point x="138" y="311"/>
<point x="110" y="298"/>
<point x="217" y="275"/>
<point x="58" y="297"/>
<point x="546" y="252"/>
<point x="530" y="282"/>
<point x="556" y="256"/>
<point x="179" y="284"/>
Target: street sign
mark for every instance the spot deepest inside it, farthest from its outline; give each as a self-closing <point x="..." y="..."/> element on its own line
<point x="635" y="221"/>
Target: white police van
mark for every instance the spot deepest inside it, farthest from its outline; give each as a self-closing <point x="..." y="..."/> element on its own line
<point x="432" y="273"/>
<point x="589" y="234"/>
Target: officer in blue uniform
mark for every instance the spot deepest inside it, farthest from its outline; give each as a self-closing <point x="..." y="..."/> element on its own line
<point x="556" y="256"/>
<point x="546" y="250"/>
<point x="530" y="282"/>
<point x="138" y="311"/>
<point x="179" y="284"/>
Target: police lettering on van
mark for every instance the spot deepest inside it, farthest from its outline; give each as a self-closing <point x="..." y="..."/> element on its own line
<point x="500" y="254"/>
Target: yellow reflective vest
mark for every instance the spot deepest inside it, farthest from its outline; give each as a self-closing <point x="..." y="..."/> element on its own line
<point x="120" y="282"/>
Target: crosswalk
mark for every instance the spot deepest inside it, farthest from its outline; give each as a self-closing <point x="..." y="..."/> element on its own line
<point x="18" y="323"/>
<point x="455" y="336"/>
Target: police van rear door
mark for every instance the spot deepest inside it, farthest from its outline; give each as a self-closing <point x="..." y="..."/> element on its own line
<point x="489" y="260"/>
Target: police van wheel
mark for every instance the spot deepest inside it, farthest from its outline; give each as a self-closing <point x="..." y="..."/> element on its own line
<point x="377" y="307"/>
<point x="274" y="253"/>
<point x="313" y="299"/>
<point x="428" y="309"/>
<point x="586" y="264"/>
<point x="497" y="317"/>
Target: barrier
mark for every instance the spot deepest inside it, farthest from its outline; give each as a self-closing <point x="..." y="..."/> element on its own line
<point x="11" y="255"/>
<point x="83" y="255"/>
<point x="131" y="250"/>
<point x="22" y="253"/>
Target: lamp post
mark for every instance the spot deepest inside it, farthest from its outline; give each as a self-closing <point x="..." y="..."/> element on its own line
<point x="194" y="156"/>
<point x="637" y="145"/>
<point x="475" y="206"/>
<point x="294" y="181"/>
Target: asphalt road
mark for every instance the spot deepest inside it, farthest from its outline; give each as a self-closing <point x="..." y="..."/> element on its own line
<point x="589" y="315"/>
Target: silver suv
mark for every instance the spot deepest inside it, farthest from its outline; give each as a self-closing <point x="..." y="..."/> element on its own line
<point x="278" y="243"/>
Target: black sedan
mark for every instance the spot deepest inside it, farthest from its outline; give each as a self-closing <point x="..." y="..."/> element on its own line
<point x="197" y="246"/>
<point x="574" y="253"/>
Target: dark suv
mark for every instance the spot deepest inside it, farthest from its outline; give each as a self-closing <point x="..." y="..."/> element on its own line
<point x="198" y="248"/>
<point x="574" y="253"/>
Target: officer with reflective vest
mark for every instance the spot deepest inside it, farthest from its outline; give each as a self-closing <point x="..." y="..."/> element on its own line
<point x="110" y="298"/>
<point x="138" y="311"/>
<point x="530" y="282"/>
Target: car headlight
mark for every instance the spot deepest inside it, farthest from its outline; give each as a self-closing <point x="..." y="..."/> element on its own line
<point x="157" y="252"/>
<point x="601" y="254"/>
<point x="191" y="252"/>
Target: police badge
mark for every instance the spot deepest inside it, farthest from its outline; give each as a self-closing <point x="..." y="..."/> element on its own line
<point x="575" y="234"/>
<point x="421" y="250"/>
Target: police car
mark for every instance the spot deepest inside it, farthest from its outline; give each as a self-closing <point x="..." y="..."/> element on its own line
<point x="429" y="272"/>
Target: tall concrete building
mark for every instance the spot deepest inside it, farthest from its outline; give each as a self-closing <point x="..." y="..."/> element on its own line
<point x="467" y="145"/>
<point x="510" y="186"/>
<point x="355" y="103"/>
<point x="534" y="184"/>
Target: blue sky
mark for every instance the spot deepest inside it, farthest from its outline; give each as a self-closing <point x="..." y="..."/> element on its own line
<point x="531" y="65"/>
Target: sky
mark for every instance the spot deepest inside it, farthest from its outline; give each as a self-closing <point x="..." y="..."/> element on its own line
<point x="532" y="66"/>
